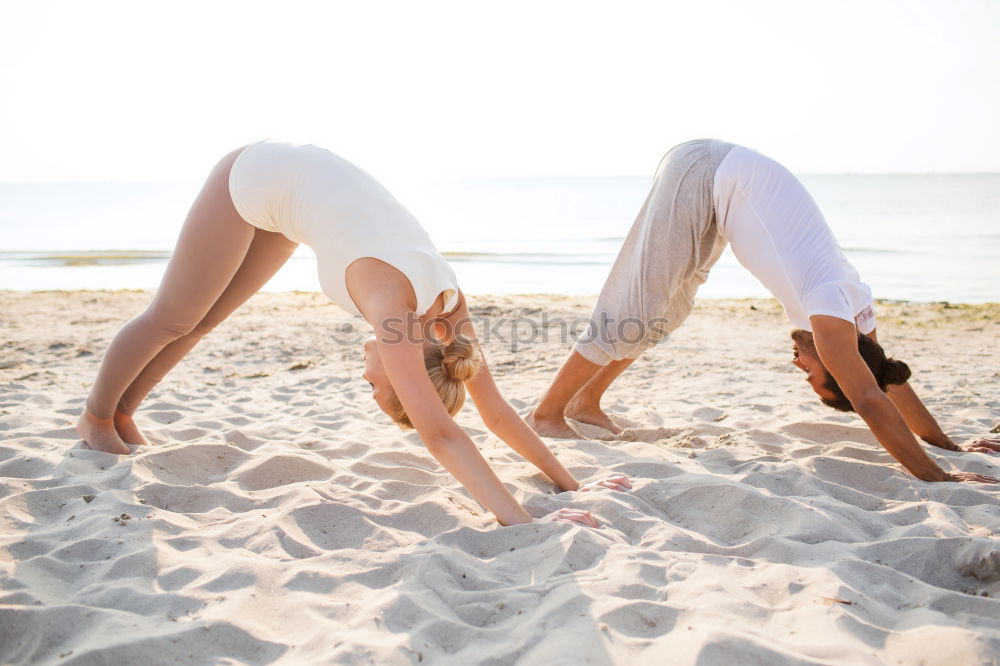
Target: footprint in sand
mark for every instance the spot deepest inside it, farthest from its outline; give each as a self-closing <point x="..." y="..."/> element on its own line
<point x="164" y="416"/>
<point x="281" y="470"/>
<point x="191" y="465"/>
<point x="641" y="619"/>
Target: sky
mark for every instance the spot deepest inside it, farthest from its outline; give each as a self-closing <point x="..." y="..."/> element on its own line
<point x="159" y="91"/>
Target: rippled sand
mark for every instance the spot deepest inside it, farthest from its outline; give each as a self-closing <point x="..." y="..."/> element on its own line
<point x="279" y="517"/>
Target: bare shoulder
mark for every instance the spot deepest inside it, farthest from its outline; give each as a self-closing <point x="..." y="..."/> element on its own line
<point x="379" y="290"/>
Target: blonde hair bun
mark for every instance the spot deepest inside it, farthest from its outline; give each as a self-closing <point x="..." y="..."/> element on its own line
<point x="448" y="368"/>
<point x="461" y="360"/>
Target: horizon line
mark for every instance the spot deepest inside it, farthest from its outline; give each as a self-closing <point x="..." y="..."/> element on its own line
<point x="453" y="177"/>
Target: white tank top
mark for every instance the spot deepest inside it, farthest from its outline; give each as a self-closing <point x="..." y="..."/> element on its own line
<point x="312" y="196"/>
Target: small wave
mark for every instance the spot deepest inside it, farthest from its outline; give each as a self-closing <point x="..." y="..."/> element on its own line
<point x="517" y="255"/>
<point x="84" y="258"/>
<point x="530" y="257"/>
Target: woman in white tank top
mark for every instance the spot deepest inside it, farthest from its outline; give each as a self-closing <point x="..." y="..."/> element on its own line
<point x="374" y="259"/>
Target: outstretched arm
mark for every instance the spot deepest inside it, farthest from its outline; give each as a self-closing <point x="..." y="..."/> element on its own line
<point x="836" y="343"/>
<point x="919" y="420"/>
<point x="504" y="422"/>
<point x="398" y="335"/>
<point x="917" y="417"/>
<point x="924" y="426"/>
<point x="447" y="442"/>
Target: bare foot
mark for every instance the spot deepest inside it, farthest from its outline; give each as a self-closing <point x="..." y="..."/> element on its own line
<point x="592" y="414"/>
<point x="100" y="434"/>
<point x="128" y="430"/>
<point x="552" y="427"/>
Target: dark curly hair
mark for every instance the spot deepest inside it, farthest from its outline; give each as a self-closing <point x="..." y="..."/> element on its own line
<point x="887" y="371"/>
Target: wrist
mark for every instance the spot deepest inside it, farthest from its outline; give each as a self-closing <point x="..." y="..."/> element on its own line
<point x="565" y="481"/>
<point x="942" y="441"/>
<point x="935" y="475"/>
<point x="519" y="520"/>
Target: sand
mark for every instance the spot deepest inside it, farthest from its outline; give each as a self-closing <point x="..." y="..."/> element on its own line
<point x="280" y="518"/>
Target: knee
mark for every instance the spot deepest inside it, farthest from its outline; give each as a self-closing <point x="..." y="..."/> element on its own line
<point x="203" y="327"/>
<point x="162" y="327"/>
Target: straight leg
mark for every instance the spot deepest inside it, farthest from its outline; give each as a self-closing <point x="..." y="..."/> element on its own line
<point x="268" y="252"/>
<point x="212" y="244"/>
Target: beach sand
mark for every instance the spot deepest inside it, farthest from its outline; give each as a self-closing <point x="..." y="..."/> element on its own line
<point x="280" y="518"/>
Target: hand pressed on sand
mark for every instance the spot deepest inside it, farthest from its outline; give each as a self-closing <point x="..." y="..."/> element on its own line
<point x="578" y="516"/>
<point x="982" y="445"/>
<point x="971" y="476"/>
<point x="614" y="482"/>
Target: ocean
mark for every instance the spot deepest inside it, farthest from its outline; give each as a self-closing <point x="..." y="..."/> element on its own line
<point x="912" y="237"/>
